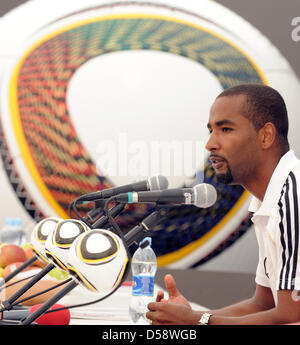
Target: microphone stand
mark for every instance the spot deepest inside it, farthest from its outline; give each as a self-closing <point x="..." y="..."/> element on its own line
<point x="16" y="307"/>
<point x="93" y="214"/>
<point x="6" y="305"/>
<point x="43" y="308"/>
<point x="18" y="270"/>
<point x="140" y="231"/>
<point x="9" y="322"/>
<point x="132" y="236"/>
<point x="115" y="211"/>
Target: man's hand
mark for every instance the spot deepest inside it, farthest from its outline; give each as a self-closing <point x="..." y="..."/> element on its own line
<point x="174" y="294"/>
<point x="175" y="310"/>
<point x="171" y="313"/>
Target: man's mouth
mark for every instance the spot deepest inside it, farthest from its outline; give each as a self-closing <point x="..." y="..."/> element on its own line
<point x="217" y="162"/>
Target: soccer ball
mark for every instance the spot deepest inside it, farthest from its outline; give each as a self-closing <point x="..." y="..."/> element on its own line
<point x="98" y="260"/>
<point x="60" y="240"/>
<point x="40" y="234"/>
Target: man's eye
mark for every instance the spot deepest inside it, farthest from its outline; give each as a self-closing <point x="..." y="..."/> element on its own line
<point x="226" y="129"/>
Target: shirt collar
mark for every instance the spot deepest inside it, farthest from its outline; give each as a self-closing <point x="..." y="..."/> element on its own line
<point x="279" y="176"/>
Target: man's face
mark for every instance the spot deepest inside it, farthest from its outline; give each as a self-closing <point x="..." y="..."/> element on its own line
<point x="233" y="143"/>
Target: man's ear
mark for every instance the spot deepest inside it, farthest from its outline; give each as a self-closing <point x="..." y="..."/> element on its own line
<point x="267" y="135"/>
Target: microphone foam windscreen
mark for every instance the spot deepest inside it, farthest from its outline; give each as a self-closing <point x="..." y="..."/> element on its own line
<point x="205" y="195"/>
<point x="158" y="183"/>
<point x="61" y="317"/>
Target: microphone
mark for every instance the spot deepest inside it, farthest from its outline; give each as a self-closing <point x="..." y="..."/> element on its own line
<point x="97" y="260"/>
<point x="101" y="223"/>
<point x="57" y="244"/>
<point x="92" y="215"/>
<point x="60" y="240"/>
<point x="40" y="234"/>
<point x="60" y="317"/>
<point x="202" y="195"/>
<point x="38" y="239"/>
<point x="153" y="183"/>
<point x="136" y="234"/>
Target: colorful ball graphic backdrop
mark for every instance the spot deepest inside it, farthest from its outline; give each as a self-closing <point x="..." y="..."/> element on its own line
<point x="102" y="78"/>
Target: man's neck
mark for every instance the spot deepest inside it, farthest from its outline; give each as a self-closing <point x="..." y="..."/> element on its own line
<point x="258" y="185"/>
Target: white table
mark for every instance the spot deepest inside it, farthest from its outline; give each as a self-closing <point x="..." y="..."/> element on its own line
<point x="111" y="311"/>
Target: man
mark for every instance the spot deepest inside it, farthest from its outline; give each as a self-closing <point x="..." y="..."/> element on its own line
<point x="248" y="145"/>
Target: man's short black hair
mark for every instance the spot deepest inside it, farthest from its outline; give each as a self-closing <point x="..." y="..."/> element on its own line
<point x="264" y="104"/>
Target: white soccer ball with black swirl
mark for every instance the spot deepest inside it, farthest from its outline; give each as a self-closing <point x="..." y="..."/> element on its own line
<point x="60" y="240"/>
<point x="40" y="234"/>
<point x="98" y="260"/>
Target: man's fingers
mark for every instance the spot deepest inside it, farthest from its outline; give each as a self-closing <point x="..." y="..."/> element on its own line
<point x="153" y="306"/>
<point x="154" y="314"/>
<point x="161" y="323"/>
<point x="160" y="296"/>
<point x="171" y="286"/>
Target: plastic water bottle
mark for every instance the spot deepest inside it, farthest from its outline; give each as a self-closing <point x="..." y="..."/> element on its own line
<point x="13" y="232"/>
<point x="143" y="266"/>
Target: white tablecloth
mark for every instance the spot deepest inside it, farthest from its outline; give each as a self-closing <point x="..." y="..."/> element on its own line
<point x="113" y="310"/>
<point x="110" y="311"/>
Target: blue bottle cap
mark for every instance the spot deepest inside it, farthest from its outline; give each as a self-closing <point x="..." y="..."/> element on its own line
<point x="147" y="241"/>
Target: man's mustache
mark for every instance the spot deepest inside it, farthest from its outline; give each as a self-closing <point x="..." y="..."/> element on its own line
<point x="216" y="158"/>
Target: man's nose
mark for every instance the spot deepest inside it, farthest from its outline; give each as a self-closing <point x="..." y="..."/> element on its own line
<point x="212" y="143"/>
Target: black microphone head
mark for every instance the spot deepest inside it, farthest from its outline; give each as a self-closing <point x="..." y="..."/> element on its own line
<point x="158" y="182"/>
<point x="205" y="195"/>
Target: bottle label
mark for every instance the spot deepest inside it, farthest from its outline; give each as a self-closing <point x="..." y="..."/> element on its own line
<point x="143" y="285"/>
